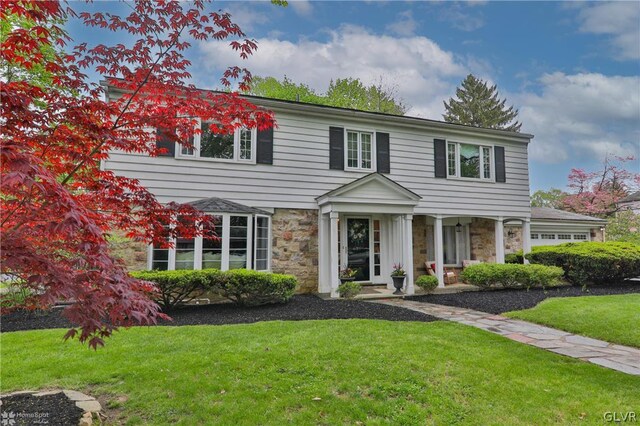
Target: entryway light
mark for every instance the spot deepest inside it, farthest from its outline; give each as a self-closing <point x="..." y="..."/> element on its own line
<point x="458" y="226"/>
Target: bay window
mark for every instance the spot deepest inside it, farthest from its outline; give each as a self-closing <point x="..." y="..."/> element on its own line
<point x="244" y="242"/>
<point x="469" y="161"/>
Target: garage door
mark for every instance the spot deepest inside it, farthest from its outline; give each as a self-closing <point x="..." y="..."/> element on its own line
<point x="547" y="238"/>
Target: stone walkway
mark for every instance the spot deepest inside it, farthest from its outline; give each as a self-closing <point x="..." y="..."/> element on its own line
<point x="616" y="357"/>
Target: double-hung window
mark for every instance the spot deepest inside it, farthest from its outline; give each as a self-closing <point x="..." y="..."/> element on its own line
<point x="359" y="150"/>
<point x="237" y="146"/>
<point x="469" y="161"/>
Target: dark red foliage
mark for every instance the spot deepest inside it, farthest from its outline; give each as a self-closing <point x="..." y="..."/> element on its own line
<point x="57" y="205"/>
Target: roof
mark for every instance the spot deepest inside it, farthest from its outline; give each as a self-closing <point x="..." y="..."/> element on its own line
<point x="404" y="119"/>
<point x="631" y="197"/>
<point x="219" y="205"/>
<point x="546" y="213"/>
<point x="375" y="176"/>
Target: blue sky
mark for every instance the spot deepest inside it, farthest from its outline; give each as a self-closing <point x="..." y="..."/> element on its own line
<point x="572" y="69"/>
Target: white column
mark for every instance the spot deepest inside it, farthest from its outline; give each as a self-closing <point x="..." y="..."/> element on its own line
<point x="526" y="237"/>
<point x="439" y="251"/>
<point x="323" y="245"/>
<point x="408" y="253"/>
<point x="197" y="252"/>
<point x="334" y="267"/>
<point x="499" y="240"/>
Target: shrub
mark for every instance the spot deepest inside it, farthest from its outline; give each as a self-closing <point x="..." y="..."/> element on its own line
<point x="485" y="275"/>
<point x="349" y="289"/>
<point x="427" y="282"/>
<point x="253" y="288"/>
<point x="176" y="286"/>
<point x="516" y="257"/>
<point x="591" y="262"/>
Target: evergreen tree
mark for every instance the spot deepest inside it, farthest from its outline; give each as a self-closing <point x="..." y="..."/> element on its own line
<point x="478" y="105"/>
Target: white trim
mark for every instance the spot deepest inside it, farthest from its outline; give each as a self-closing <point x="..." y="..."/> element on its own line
<point x="439" y="251"/>
<point x="499" y="237"/>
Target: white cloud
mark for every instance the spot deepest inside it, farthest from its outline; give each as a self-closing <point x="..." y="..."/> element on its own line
<point x="620" y="20"/>
<point x="404" y="25"/>
<point x="424" y="73"/>
<point x="246" y="17"/>
<point x="302" y="7"/>
<point x="582" y="116"/>
<point x="460" y="17"/>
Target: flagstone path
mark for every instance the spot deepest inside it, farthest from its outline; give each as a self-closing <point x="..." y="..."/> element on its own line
<point x="616" y="357"/>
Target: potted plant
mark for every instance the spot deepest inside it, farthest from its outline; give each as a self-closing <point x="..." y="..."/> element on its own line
<point x="348" y="274"/>
<point x="397" y="275"/>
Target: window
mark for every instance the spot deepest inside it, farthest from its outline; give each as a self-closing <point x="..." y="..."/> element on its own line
<point x="243" y="241"/>
<point x="579" y="236"/>
<point x="534" y="236"/>
<point x="359" y="150"/>
<point x="376" y="248"/>
<point x="469" y="161"/>
<point x="564" y="236"/>
<point x="261" y="243"/>
<point x="455" y="244"/>
<point x="237" y="146"/>
<point x="548" y="236"/>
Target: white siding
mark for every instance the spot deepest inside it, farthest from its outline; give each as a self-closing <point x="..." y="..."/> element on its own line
<point x="300" y="170"/>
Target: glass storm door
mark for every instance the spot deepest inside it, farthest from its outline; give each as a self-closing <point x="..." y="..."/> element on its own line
<point x="358" y="247"/>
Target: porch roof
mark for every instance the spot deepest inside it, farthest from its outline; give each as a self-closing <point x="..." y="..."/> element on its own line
<point x="371" y="191"/>
<point x="219" y="205"/>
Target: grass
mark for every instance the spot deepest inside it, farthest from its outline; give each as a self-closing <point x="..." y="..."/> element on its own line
<point x="320" y="372"/>
<point x="614" y="319"/>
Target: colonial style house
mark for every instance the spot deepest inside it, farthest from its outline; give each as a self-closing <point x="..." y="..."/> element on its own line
<point x="332" y="188"/>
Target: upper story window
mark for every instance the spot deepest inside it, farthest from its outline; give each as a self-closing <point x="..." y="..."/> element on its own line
<point x="359" y="150"/>
<point x="236" y="146"/>
<point x="469" y="161"/>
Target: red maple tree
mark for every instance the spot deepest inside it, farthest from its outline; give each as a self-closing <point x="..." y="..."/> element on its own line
<point x="57" y="205"/>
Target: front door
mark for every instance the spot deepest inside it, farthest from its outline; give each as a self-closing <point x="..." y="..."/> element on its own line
<point x="359" y="247"/>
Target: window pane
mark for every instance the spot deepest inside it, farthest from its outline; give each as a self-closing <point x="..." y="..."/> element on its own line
<point x="214" y="145"/>
<point x="352" y="149"/>
<point x="261" y="236"/>
<point x="185" y="253"/>
<point x="186" y="150"/>
<point x="450" y="247"/>
<point x="486" y="162"/>
<point x="469" y="161"/>
<point x="212" y="249"/>
<point x="245" y="144"/>
<point x="238" y="242"/>
<point x="451" y="159"/>
<point x="366" y="150"/>
<point x="160" y="257"/>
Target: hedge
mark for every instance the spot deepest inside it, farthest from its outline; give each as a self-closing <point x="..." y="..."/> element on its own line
<point x="516" y="257"/>
<point x="485" y="275"/>
<point x="591" y="262"/>
<point x="253" y="288"/>
<point x="241" y="286"/>
<point x="427" y="282"/>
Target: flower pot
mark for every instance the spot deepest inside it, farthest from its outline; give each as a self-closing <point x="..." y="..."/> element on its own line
<point x="398" y="283"/>
<point x="346" y="279"/>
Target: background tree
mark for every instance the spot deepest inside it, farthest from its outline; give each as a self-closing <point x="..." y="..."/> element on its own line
<point x="57" y="207"/>
<point x="597" y="193"/>
<point x="624" y="226"/>
<point x="345" y="93"/>
<point x="553" y="198"/>
<point x="478" y="105"/>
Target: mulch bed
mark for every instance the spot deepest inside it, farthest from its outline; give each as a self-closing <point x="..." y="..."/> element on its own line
<point x="27" y="410"/>
<point x="500" y="301"/>
<point x="301" y="307"/>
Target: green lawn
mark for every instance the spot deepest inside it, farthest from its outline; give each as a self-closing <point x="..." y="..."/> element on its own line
<point x="615" y="319"/>
<point x="363" y="372"/>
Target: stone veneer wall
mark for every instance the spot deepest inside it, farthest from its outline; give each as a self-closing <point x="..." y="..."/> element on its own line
<point x="419" y="245"/>
<point x="512" y="244"/>
<point x="482" y="234"/>
<point x="597" y="234"/>
<point x="132" y="253"/>
<point x="295" y="246"/>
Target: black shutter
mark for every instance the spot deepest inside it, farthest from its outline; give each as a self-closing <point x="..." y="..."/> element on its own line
<point x="501" y="175"/>
<point x="382" y="152"/>
<point x="264" y="148"/>
<point x="440" y="156"/>
<point x="163" y="141"/>
<point x="336" y="148"/>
